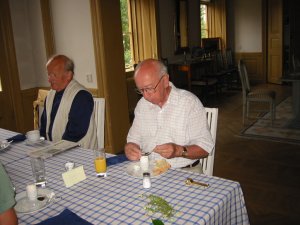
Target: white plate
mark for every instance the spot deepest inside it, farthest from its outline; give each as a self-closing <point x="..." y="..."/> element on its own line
<point x="28" y="142"/>
<point x="134" y="169"/>
<point x="25" y="206"/>
<point x="4" y="144"/>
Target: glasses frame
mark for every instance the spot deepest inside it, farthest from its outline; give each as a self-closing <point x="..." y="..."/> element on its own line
<point x="148" y="90"/>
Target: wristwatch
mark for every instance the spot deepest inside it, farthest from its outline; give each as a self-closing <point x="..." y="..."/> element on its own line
<point x="184" y="152"/>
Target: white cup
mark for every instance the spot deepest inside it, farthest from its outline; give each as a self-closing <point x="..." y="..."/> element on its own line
<point x="31" y="192"/>
<point x="33" y="135"/>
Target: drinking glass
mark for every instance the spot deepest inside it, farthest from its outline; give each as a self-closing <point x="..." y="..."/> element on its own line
<point x="100" y="162"/>
<point x="38" y="171"/>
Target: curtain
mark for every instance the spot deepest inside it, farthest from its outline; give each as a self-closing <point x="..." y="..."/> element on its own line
<point x="144" y="31"/>
<point x="216" y="20"/>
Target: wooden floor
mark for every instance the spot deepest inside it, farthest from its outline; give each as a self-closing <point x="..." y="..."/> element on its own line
<point x="269" y="172"/>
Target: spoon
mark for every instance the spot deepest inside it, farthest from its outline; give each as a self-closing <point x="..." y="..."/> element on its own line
<point x="190" y="181"/>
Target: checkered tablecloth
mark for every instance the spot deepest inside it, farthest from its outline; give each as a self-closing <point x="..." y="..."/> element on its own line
<point x="116" y="198"/>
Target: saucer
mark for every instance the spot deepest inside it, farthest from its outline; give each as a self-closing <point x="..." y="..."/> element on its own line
<point x="25" y="206"/>
<point x="28" y="142"/>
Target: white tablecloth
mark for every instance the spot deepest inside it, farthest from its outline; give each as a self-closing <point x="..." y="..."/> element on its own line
<point x="116" y="198"/>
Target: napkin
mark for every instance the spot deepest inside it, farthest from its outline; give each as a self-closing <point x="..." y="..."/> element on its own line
<point x="66" y="217"/>
<point x="116" y="159"/>
<point x="17" y="138"/>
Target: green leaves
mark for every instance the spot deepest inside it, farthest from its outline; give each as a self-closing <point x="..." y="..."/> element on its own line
<point x="158" y="206"/>
<point x="157" y="222"/>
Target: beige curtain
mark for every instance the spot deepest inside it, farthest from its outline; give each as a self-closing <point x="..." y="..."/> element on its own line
<point x="216" y="20"/>
<point x="144" y="33"/>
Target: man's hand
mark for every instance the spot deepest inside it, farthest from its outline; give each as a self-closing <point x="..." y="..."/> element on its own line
<point x="132" y="151"/>
<point x="168" y="151"/>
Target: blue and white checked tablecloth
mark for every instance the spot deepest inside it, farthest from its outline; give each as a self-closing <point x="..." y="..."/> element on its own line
<point x="116" y="198"/>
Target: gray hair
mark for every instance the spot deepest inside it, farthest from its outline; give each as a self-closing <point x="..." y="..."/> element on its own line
<point x="68" y="63"/>
<point x="159" y="66"/>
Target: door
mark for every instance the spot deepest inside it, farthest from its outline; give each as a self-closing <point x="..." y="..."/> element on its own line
<point x="6" y="109"/>
<point x="274" y="41"/>
<point x="11" y="114"/>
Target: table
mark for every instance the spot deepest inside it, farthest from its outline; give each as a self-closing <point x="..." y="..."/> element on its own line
<point x="188" y="65"/>
<point x="116" y="198"/>
<point x="295" y="79"/>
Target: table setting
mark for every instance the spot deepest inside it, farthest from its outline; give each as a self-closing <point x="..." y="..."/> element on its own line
<point x="172" y="197"/>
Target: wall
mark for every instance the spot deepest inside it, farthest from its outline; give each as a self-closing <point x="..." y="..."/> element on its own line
<point x="247" y="29"/>
<point x="73" y="37"/>
<point x="245" y="35"/>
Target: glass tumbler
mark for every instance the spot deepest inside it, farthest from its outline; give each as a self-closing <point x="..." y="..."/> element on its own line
<point x="38" y="171"/>
<point x="100" y="162"/>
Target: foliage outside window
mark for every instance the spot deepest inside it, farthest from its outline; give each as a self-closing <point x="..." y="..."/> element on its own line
<point x="203" y="19"/>
<point x="127" y="34"/>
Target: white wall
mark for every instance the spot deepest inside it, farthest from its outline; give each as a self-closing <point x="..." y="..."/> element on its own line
<point x="29" y="42"/>
<point x="73" y="37"/>
<point x="246" y="31"/>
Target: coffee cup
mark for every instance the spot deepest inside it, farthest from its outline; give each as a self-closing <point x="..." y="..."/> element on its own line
<point x="33" y="135"/>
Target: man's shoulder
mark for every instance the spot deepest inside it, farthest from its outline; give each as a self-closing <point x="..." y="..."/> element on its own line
<point x="181" y="95"/>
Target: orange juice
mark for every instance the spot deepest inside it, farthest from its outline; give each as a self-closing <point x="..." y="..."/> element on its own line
<point x="100" y="164"/>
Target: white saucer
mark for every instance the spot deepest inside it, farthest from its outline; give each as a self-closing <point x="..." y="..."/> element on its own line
<point x="28" y="142"/>
<point x="45" y="198"/>
<point x="4" y="144"/>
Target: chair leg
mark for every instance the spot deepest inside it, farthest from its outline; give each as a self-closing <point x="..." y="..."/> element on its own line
<point x="244" y="112"/>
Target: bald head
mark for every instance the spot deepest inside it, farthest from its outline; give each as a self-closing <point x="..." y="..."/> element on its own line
<point x="60" y="70"/>
<point x="154" y="65"/>
<point x="64" y="60"/>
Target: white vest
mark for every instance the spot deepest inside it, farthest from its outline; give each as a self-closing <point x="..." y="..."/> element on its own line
<point x="89" y="141"/>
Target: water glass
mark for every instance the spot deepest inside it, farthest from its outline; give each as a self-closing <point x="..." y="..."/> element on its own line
<point x="38" y="171"/>
<point x="100" y="162"/>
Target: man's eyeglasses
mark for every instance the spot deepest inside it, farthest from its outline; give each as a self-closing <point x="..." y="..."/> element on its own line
<point x="148" y="90"/>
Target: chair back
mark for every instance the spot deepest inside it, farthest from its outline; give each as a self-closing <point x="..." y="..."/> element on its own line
<point x="244" y="78"/>
<point x="99" y="110"/>
<point x="38" y="107"/>
<point x="229" y="59"/>
<point x="212" y="119"/>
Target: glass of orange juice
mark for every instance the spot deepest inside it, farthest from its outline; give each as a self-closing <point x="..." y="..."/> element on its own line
<point x="100" y="162"/>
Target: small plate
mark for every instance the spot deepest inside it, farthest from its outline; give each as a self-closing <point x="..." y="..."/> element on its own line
<point x="45" y="198"/>
<point x="134" y="169"/>
<point x="28" y="142"/>
<point x="4" y="144"/>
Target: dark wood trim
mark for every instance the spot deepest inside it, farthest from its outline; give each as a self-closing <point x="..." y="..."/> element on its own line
<point x="48" y="27"/>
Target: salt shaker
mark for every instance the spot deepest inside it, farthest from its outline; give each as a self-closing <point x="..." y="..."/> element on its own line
<point x="144" y="163"/>
<point x="146" y="180"/>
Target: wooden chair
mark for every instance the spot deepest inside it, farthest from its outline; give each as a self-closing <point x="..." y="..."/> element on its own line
<point x="38" y="107"/>
<point x="99" y="110"/>
<point x="259" y="95"/>
<point x="204" y="82"/>
<point x="208" y="162"/>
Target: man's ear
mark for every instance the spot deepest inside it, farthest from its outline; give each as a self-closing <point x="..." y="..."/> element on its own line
<point x="69" y="75"/>
<point x="166" y="80"/>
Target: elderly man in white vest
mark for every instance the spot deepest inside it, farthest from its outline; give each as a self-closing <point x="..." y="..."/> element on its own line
<point x="68" y="112"/>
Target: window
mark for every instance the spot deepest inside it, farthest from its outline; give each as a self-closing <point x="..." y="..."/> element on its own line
<point x="203" y="20"/>
<point x="127" y="34"/>
<point x="139" y="30"/>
